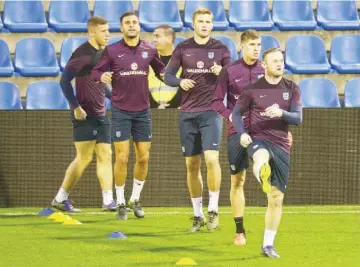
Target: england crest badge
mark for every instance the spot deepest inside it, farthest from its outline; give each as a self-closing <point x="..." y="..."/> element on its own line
<point x="211" y="55"/>
<point x="144" y="54"/>
<point x="286" y="95"/>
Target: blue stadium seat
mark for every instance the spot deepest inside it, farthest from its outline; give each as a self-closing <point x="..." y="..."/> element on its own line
<point x="108" y="103"/>
<point x="244" y="15"/>
<point x="352" y="93"/>
<point x="6" y="67"/>
<point x="293" y="15"/>
<point x="36" y="57"/>
<point x="112" y="11"/>
<point x="345" y="53"/>
<point x="114" y="40"/>
<point x="337" y="15"/>
<point x="217" y="8"/>
<point x="69" y="16"/>
<point x="24" y="16"/>
<point x="1" y="24"/>
<point x="155" y="13"/>
<point x="68" y="47"/>
<point x="306" y="54"/>
<point x="319" y="93"/>
<point x="267" y="42"/>
<point x="230" y="45"/>
<point x="45" y="95"/>
<point x="178" y="40"/>
<point x="9" y="96"/>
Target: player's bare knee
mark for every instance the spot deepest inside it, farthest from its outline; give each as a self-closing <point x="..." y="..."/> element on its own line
<point x="238" y="180"/>
<point x="143" y="158"/>
<point x="84" y="158"/>
<point x="275" y="198"/>
<point x="122" y="158"/>
<point x="212" y="160"/>
<point x="193" y="165"/>
<point x="103" y="154"/>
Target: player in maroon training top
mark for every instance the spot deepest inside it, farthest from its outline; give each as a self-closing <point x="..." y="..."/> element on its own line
<point x="129" y="61"/>
<point x="230" y="82"/>
<point x="91" y="124"/>
<point x="272" y="103"/>
<point x="201" y="59"/>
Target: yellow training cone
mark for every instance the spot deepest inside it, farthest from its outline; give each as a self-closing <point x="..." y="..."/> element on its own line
<point x="71" y="222"/>
<point x="55" y="215"/>
<point x="62" y="218"/>
<point x="186" y="261"/>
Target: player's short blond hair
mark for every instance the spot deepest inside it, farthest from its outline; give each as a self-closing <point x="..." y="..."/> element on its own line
<point x="202" y="11"/>
<point x="95" y="21"/>
<point x="270" y="51"/>
<point x="249" y="35"/>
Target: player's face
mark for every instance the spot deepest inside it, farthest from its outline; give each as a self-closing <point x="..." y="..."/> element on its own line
<point x="274" y="64"/>
<point x="130" y="26"/>
<point x="101" y="34"/>
<point x="251" y="49"/>
<point x="161" y="40"/>
<point x="203" y="25"/>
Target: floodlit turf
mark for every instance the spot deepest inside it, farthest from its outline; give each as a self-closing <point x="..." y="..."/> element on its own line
<point x="308" y="236"/>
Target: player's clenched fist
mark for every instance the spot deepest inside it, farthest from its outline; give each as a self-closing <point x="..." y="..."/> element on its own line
<point x="245" y="140"/>
<point x="216" y="69"/>
<point x="187" y="84"/>
<point x="80" y="114"/>
<point x="106" y="77"/>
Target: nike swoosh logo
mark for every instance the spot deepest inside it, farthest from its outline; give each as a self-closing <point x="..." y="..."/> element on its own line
<point x="237" y="80"/>
<point x="121" y="55"/>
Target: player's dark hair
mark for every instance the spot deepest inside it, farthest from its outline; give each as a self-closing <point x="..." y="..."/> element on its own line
<point x="249" y="35"/>
<point x="95" y="21"/>
<point x="168" y="31"/>
<point x="127" y="14"/>
<point x="202" y="11"/>
<point x="269" y="51"/>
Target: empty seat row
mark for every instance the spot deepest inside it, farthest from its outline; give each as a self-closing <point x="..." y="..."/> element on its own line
<point x="304" y="54"/>
<point x="316" y="93"/>
<point x="39" y="95"/>
<point x="71" y="16"/>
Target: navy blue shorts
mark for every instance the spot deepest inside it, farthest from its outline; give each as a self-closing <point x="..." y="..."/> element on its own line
<point x="131" y="123"/>
<point x="237" y="155"/>
<point x="200" y="131"/>
<point x="94" y="128"/>
<point x="279" y="162"/>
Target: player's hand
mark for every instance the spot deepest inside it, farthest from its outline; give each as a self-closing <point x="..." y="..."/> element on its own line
<point x="245" y="140"/>
<point x="163" y="106"/>
<point x="216" y="69"/>
<point x="290" y="138"/>
<point x="106" y="77"/>
<point x="230" y="117"/>
<point x="273" y="111"/>
<point x="187" y="84"/>
<point x="162" y="75"/>
<point x="80" y="114"/>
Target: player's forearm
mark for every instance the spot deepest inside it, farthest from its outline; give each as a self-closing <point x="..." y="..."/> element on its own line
<point x="294" y="118"/>
<point x="171" y="79"/>
<point x="219" y="107"/>
<point x="237" y="120"/>
<point x="108" y="90"/>
<point x="66" y="87"/>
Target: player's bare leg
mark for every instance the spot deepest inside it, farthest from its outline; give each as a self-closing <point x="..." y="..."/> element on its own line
<point x="122" y="150"/>
<point x="214" y="182"/>
<point x="84" y="155"/>
<point x="195" y="185"/>
<point x="261" y="169"/>
<point x="237" y="199"/>
<point x="272" y="221"/>
<point x="142" y="150"/>
<point x="105" y="174"/>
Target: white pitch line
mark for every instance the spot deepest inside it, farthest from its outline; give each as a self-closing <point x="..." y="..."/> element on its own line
<point x="184" y="213"/>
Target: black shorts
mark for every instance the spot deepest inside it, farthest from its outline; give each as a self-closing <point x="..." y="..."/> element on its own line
<point x="94" y="128"/>
<point x="279" y="162"/>
<point x="200" y="131"/>
<point x="237" y="155"/>
<point x="131" y="123"/>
